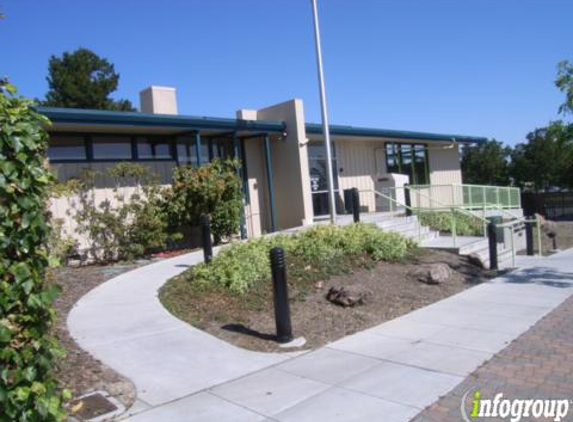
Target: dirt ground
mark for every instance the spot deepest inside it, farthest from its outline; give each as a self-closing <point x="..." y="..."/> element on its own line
<point x="394" y="292"/>
<point x="79" y="371"/>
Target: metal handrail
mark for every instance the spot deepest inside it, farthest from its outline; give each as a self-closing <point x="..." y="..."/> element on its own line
<point x="398" y="203"/>
<point x="453" y="210"/>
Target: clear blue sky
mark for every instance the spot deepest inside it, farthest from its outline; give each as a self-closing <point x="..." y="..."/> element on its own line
<point x="475" y="67"/>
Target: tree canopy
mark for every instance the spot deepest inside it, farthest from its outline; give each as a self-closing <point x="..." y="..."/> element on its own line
<point x="545" y="161"/>
<point x="564" y="82"/>
<point x="82" y="79"/>
<point x="486" y="163"/>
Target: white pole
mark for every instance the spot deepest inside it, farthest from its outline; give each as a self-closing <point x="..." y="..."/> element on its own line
<point x="330" y="178"/>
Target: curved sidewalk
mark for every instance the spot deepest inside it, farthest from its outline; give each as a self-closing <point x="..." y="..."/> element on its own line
<point x="123" y="323"/>
<point x="393" y="370"/>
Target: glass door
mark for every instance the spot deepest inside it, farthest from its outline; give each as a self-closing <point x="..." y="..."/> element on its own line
<point x="318" y="177"/>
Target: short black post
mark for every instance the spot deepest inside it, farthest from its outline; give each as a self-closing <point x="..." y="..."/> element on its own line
<point x="355" y="205"/>
<point x="492" y="238"/>
<point x="280" y="291"/>
<point x="529" y="236"/>
<point x="408" y="200"/>
<point x="207" y="243"/>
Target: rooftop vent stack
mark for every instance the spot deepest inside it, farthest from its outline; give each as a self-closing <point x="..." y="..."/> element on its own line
<point x="158" y="100"/>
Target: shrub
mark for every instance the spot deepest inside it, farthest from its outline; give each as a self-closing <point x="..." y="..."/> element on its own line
<point x="28" y="391"/>
<point x="133" y="225"/>
<point x="442" y="220"/>
<point x="241" y="266"/>
<point x="61" y="245"/>
<point x="214" y="188"/>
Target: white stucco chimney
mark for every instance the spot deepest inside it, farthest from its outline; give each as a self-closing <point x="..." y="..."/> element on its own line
<point x="158" y="100"/>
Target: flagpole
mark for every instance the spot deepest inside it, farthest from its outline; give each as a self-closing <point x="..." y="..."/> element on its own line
<point x="325" y="127"/>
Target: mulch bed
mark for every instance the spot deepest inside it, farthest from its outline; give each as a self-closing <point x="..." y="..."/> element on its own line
<point x="248" y="321"/>
<point x="79" y="371"/>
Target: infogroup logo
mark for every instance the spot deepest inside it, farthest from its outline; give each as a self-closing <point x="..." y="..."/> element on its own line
<point x="513" y="409"/>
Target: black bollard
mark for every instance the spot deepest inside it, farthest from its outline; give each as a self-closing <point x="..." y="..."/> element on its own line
<point x="408" y="200"/>
<point x="492" y="238"/>
<point x="280" y="291"/>
<point x="207" y="243"/>
<point x="529" y="236"/>
<point x="355" y="205"/>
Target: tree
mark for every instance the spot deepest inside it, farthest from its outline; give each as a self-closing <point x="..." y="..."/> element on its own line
<point x="82" y="79"/>
<point x="486" y="163"/>
<point x="546" y="160"/>
<point x="564" y="82"/>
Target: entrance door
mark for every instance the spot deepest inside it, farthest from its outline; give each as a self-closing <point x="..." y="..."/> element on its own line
<point x="318" y="177"/>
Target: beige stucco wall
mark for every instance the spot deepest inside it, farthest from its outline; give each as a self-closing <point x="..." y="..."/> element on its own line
<point x="445" y="166"/>
<point x="363" y="162"/>
<point x="257" y="216"/>
<point x="289" y="157"/>
<point x="358" y="163"/>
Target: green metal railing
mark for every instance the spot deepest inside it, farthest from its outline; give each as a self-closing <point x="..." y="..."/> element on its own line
<point x="471" y="196"/>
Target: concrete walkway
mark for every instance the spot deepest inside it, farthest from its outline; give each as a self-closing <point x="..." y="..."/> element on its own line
<point x="123" y="323"/>
<point x="391" y="371"/>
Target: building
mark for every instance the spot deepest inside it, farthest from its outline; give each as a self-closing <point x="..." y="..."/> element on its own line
<point x="283" y="156"/>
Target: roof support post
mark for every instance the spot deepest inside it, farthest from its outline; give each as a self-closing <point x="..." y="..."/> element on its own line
<point x="239" y="156"/>
<point x="198" y="148"/>
<point x="270" y="184"/>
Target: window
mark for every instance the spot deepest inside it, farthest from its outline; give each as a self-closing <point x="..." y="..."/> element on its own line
<point x="151" y="148"/>
<point x="112" y="148"/>
<point x="67" y="148"/>
<point x="221" y="148"/>
<point x="186" y="151"/>
<point x="408" y="159"/>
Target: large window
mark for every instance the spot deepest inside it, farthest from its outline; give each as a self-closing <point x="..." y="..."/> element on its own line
<point x="408" y="159"/>
<point x="154" y="148"/>
<point x="112" y="148"/>
<point x="67" y="148"/>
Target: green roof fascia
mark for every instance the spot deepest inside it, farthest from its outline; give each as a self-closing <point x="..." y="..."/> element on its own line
<point x="315" y="128"/>
<point x="83" y="116"/>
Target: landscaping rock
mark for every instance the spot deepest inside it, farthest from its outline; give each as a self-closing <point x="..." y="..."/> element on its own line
<point x="348" y="296"/>
<point x="433" y="273"/>
<point x="476" y="260"/>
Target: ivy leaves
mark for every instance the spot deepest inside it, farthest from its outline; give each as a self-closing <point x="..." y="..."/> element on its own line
<point x="28" y="391"/>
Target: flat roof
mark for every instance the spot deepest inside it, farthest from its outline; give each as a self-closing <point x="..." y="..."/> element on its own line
<point x="340" y="130"/>
<point x="75" y="116"/>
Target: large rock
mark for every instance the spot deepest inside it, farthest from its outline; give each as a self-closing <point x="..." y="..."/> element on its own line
<point x="348" y="296"/>
<point x="476" y="260"/>
<point x="432" y="273"/>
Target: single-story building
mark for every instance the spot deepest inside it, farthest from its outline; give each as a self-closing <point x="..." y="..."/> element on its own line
<point x="283" y="156"/>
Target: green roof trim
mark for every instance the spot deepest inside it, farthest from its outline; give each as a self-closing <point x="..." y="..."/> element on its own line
<point x="315" y="128"/>
<point x="131" y="118"/>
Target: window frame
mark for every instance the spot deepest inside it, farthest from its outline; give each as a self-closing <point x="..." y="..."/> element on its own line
<point x="72" y="160"/>
<point x="396" y="148"/>
<point x="88" y="145"/>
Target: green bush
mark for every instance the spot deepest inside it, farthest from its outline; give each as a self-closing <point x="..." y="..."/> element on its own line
<point x="134" y="225"/>
<point x="62" y="246"/>
<point x="28" y="391"/>
<point x="466" y="225"/>
<point x="214" y="188"/>
<point x="241" y="266"/>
